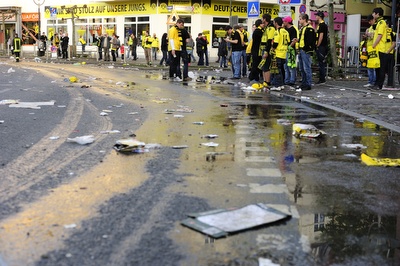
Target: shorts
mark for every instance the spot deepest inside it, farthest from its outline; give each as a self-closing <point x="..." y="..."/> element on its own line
<point x="267" y="65"/>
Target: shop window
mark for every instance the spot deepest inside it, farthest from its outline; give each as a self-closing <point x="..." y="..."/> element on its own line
<point x="136" y="25"/>
<point x="142" y="19"/>
<point x="186" y="19"/>
<point x="218" y="32"/>
<point x="221" y="20"/>
<point x="130" y="19"/>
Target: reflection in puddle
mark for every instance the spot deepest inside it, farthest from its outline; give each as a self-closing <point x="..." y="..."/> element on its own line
<point x="348" y="211"/>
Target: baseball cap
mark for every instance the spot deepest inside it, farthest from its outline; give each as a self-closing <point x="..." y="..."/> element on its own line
<point x="320" y="14"/>
<point x="287" y="19"/>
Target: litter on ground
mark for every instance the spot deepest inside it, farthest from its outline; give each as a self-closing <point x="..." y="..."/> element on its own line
<point x="82" y="140"/>
<point x="30" y="105"/>
<point x="306" y="131"/>
<point x="219" y="223"/>
<point x="371" y="161"/>
<point x="210" y="144"/>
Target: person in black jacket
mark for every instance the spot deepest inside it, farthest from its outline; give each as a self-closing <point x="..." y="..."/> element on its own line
<point x="164" y="49"/>
<point x="223" y="53"/>
<point x="64" y="46"/>
<point x="201" y="44"/>
<point x="307" y="39"/>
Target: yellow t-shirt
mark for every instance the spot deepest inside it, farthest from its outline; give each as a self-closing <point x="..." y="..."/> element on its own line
<point x="380" y="30"/>
<point x="173" y="34"/>
<point x="281" y="37"/>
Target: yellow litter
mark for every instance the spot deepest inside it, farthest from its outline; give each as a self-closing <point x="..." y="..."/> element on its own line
<point x="257" y="86"/>
<point x="370" y="161"/>
<point x="73" y="79"/>
<point x="306" y="131"/>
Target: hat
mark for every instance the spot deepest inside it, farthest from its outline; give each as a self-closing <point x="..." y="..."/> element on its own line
<point x="287" y="19"/>
<point x="240" y="25"/>
<point x="320" y="14"/>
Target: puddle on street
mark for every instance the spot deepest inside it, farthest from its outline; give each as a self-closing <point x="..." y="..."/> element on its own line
<point x="348" y="210"/>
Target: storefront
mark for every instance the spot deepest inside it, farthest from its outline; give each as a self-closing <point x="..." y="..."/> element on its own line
<point x="92" y="20"/>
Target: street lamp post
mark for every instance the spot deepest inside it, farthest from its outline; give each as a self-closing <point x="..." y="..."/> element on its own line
<point x="38" y="3"/>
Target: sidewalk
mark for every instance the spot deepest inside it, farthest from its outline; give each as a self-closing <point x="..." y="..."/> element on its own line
<point x="349" y="97"/>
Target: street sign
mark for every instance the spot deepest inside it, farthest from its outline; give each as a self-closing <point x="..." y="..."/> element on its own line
<point x="290" y="2"/>
<point x="284" y="8"/>
<point x="285" y="14"/>
<point x="302" y="9"/>
<point x="253" y="9"/>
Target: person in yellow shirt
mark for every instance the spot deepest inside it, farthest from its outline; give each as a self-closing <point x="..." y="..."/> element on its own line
<point x="83" y="43"/>
<point x="265" y="46"/>
<point x="368" y="36"/>
<point x="175" y="49"/>
<point x="155" y="46"/>
<point x="147" y="41"/>
<point x="279" y="50"/>
<point x="379" y="43"/>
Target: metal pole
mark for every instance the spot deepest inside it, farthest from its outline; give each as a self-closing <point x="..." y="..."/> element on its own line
<point x="230" y="12"/>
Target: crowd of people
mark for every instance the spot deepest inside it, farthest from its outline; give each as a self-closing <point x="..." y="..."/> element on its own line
<point x="378" y="46"/>
<point x="270" y="57"/>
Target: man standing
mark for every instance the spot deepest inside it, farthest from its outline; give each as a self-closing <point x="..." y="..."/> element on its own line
<point x="279" y="51"/>
<point x="390" y="48"/>
<point x="184" y="54"/>
<point x="306" y="42"/>
<point x="379" y="44"/>
<point x="17" y="47"/>
<point x="256" y="52"/>
<point x="99" y="44"/>
<point x="155" y="47"/>
<point x="266" y="42"/>
<point x="64" y="46"/>
<point x="291" y="64"/>
<point x="200" y="46"/>
<point x="175" y="49"/>
<point x="147" y="41"/>
<point x="245" y="41"/>
<point x="322" y="46"/>
<point x="106" y="47"/>
<point x="236" y="43"/>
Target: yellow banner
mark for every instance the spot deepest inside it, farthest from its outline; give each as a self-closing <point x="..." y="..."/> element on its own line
<point x="100" y="10"/>
<point x="238" y="9"/>
<point x="145" y="7"/>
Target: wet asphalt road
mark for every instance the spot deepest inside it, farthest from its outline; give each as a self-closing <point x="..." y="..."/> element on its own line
<point x="88" y="205"/>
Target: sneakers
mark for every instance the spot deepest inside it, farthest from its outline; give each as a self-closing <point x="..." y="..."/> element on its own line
<point x="187" y="79"/>
<point x="175" y="79"/>
<point x="368" y="85"/>
<point x="321" y="82"/>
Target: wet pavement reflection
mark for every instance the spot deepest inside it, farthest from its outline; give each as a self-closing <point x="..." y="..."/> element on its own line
<point x="348" y="210"/>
